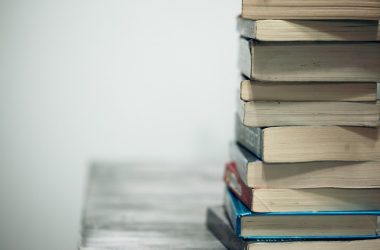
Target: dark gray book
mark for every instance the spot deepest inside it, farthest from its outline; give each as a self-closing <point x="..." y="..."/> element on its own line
<point x="310" y="143"/>
<point x="219" y="225"/>
<point x="310" y="61"/>
<point x="324" y="174"/>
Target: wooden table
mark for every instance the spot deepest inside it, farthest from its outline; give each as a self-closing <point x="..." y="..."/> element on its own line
<point x="150" y="206"/>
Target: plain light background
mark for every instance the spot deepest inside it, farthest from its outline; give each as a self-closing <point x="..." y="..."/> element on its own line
<point x="109" y="80"/>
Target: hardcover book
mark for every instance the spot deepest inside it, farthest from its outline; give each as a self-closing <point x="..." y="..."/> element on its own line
<point x="300" y="225"/>
<point x="309" y="143"/>
<point x="335" y="174"/>
<point x="310" y="61"/>
<point x="309" y="30"/>
<point x="301" y="199"/>
<point x="220" y="227"/>
<point x="311" y="9"/>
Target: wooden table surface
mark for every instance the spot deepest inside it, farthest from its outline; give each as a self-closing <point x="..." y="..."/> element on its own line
<point x="150" y="206"/>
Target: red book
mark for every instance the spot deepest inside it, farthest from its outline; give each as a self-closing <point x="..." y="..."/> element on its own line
<point x="237" y="185"/>
<point x="305" y="200"/>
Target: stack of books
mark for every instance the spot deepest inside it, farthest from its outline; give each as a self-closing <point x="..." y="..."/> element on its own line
<point x="305" y="166"/>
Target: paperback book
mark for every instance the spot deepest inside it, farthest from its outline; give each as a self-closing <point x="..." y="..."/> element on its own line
<point x="309" y="143"/>
<point x="310" y="61"/>
<point x="309" y="30"/>
<point x="336" y="225"/>
<point x="332" y="174"/>
<point x="301" y="199"/>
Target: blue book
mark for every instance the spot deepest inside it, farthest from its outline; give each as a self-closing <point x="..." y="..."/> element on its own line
<point x="327" y="225"/>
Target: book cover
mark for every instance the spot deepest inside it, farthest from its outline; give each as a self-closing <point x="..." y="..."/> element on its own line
<point x="235" y="183"/>
<point x="249" y="137"/>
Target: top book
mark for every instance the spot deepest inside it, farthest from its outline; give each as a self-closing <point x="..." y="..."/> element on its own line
<point x="311" y="9"/>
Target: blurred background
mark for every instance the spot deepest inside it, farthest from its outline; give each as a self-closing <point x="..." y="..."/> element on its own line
<point x="82" y="81"/>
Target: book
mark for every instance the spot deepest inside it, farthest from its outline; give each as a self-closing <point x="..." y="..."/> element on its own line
<point x="218" y="224"/>
<point x="307" y="91"/>
<point x="310" y="61"/>
<point x="335" y="174"/>
<point x="310" y="143"/>
<point x="309" y="30"/>
<point x="301" y="199"/>
<point x="311" y="9"/>
<point x="301" y="225"/>
<point x="278" y="113"/>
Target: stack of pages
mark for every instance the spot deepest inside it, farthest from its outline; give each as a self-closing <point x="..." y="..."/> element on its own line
<point x="305" y="165"/>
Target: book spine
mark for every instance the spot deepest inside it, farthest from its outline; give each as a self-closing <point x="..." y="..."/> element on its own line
<point x="246" y="28"/>
<point x="245" y="59"/>
<point x="219" y="226"/>
<point x="249" y="137"/>
<point x="241" y="162"/>
<point x="231" y="213"/>
<point x="237" y="186"/>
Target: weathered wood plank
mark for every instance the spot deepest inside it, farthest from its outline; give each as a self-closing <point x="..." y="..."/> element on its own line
<point x="150" y="206"/>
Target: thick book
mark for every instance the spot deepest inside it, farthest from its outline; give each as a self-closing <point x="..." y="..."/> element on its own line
<point x="220" y="227"/>
<point x="311" y="9"/>
<point x="307" y="91"/>
<point x="310" y="143"/>
<point x="309" y="113"/>
<point x="301" y="199"/>
<point x="309" y="30"/>
<point x="335" y="174"/>
<point x="310" y="61"/>
<point x="301" y="225"/>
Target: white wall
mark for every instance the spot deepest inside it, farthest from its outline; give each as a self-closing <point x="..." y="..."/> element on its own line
<point x="114" y="80"/>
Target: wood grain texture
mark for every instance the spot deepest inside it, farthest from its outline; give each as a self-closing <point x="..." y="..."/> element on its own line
<point x="150" y="206"/>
